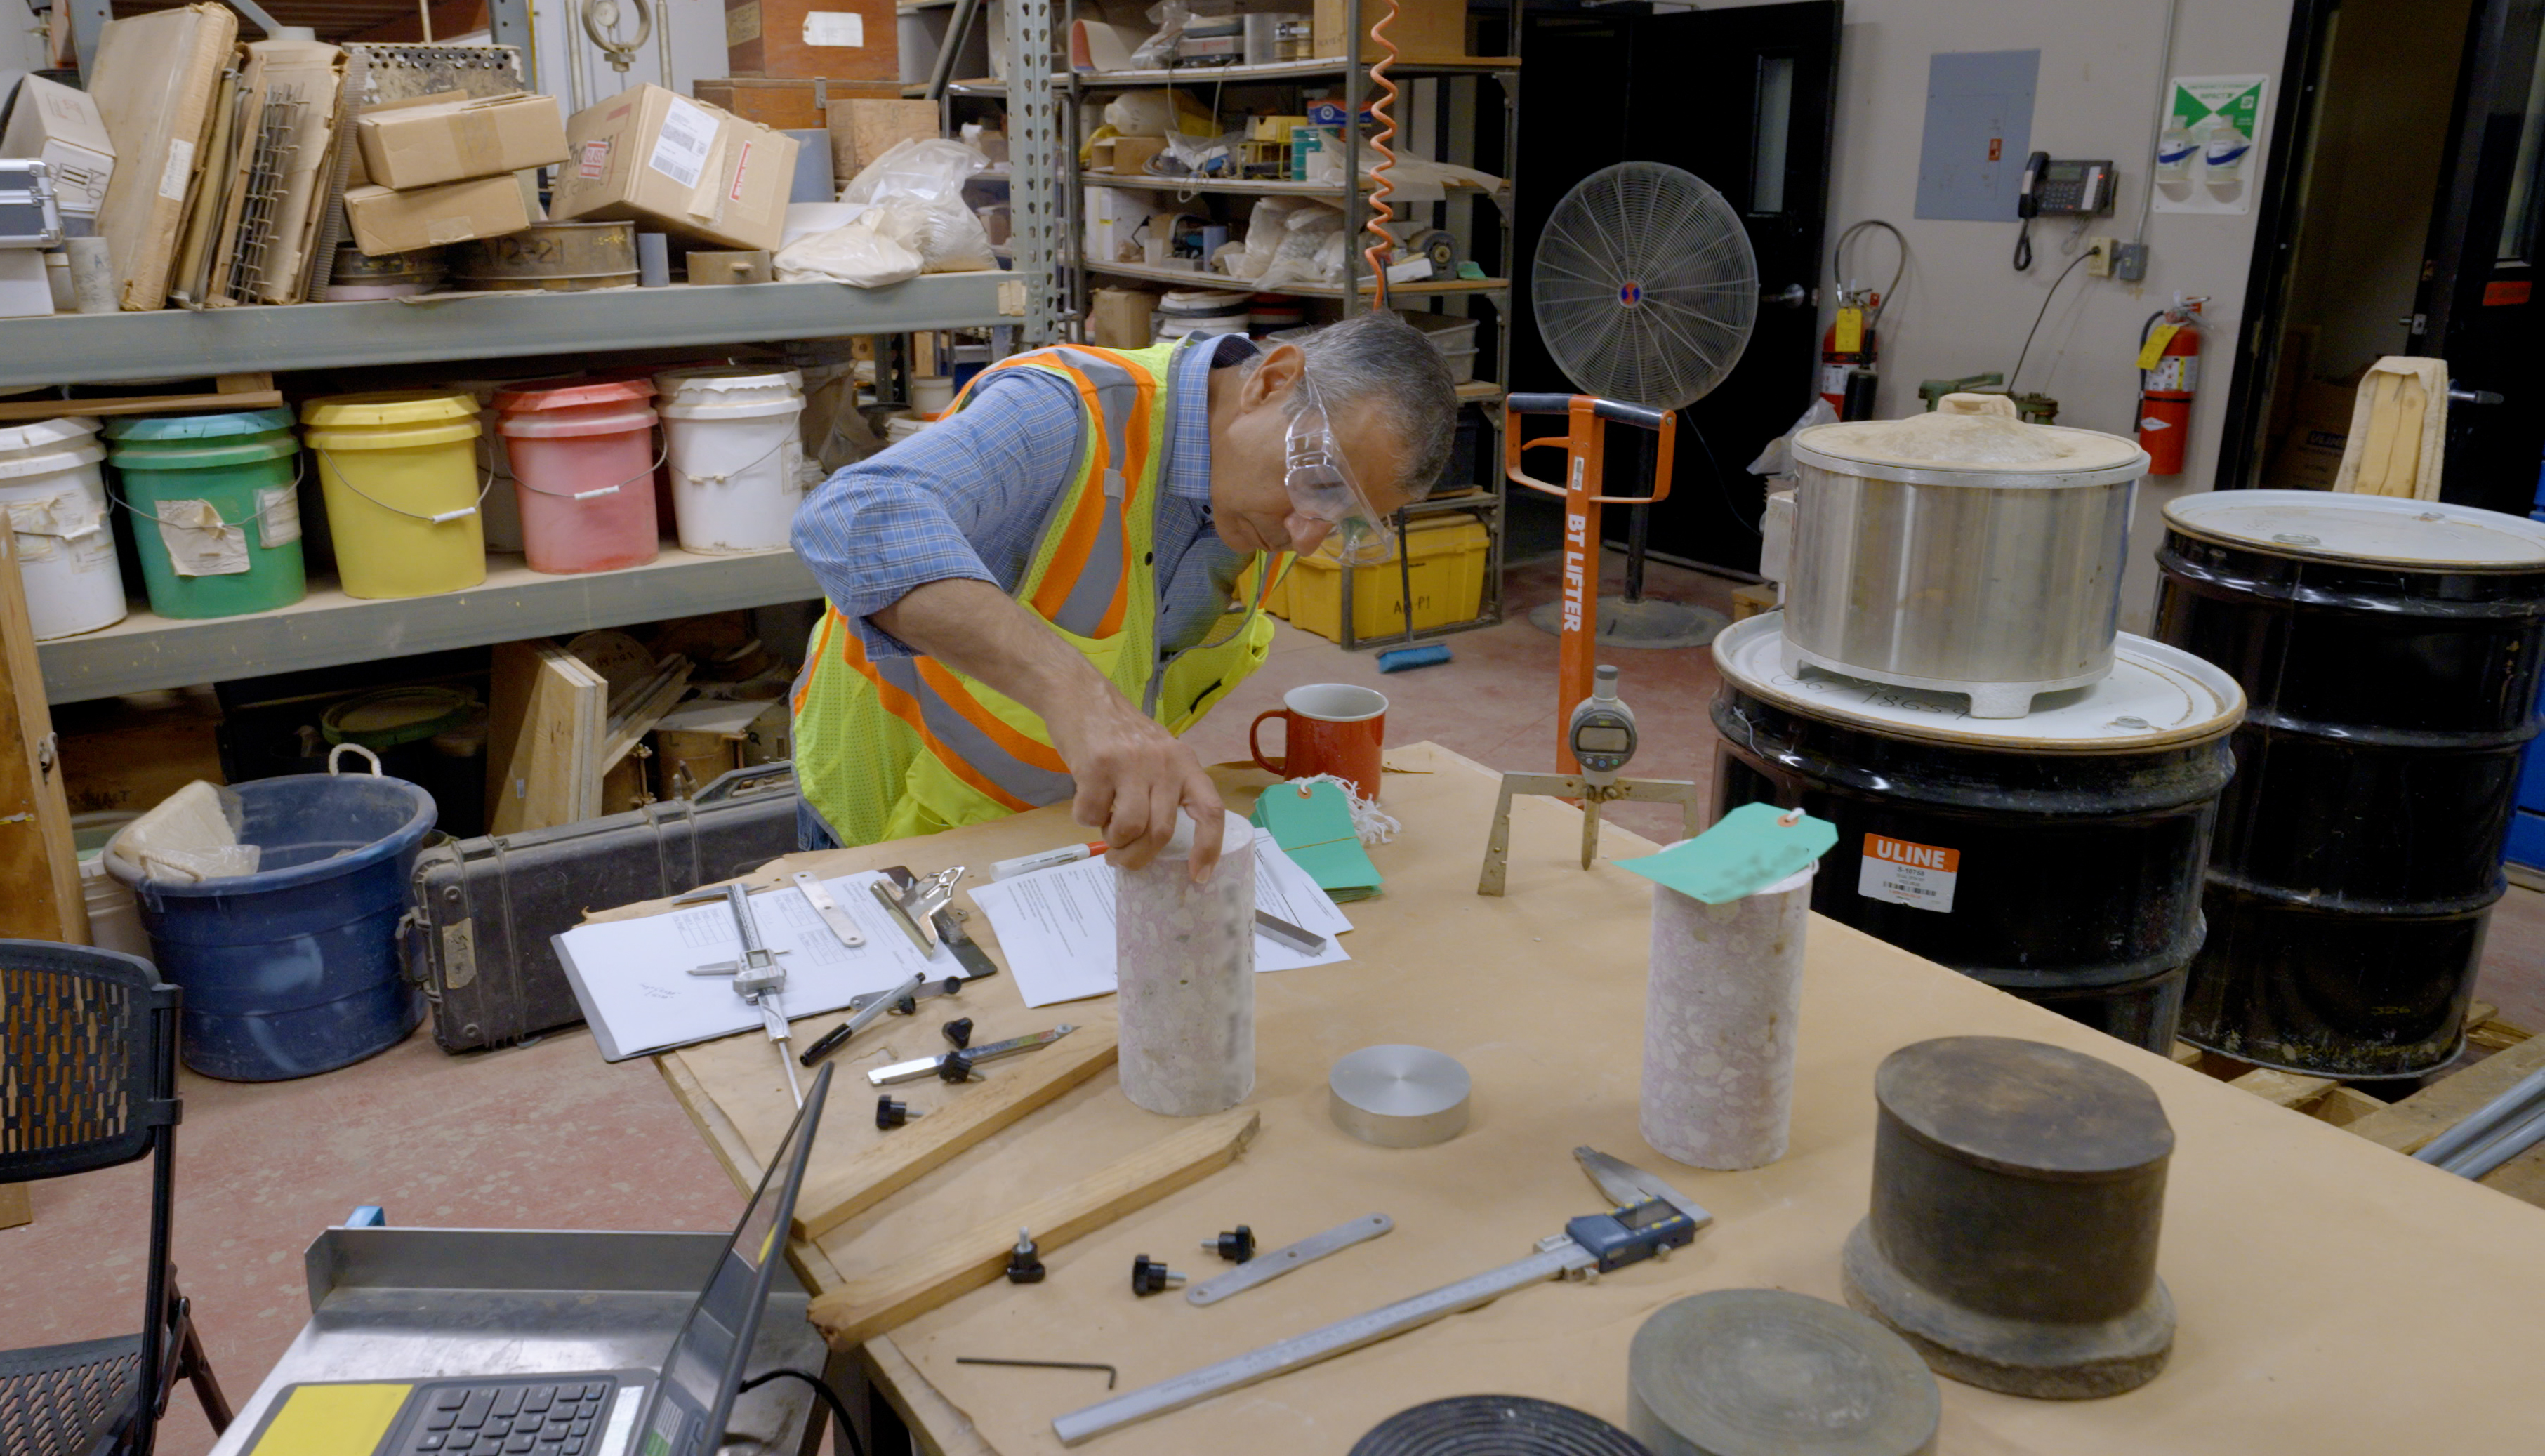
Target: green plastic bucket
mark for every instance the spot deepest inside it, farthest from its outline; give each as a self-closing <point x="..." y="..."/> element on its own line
<point x="243" y="553"/>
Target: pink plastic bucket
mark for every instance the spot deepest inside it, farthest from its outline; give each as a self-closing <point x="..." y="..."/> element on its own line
<point x="582" y="465"/>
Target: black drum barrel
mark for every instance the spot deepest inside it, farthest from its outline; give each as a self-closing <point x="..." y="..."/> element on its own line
<point x="2389" y="649"/>
<point x="2056" y="856"/>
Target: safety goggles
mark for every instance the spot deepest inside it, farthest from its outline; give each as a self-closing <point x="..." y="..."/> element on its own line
<point x="1322" y="487"/>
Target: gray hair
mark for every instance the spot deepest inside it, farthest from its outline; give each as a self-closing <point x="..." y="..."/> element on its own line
<point x="1379" y="358"/>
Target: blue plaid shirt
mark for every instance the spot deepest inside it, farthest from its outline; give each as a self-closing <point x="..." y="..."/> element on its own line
<point x="966" y="499"/>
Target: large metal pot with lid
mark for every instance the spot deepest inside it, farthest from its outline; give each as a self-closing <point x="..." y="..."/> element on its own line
<point x="1961" y="551"/>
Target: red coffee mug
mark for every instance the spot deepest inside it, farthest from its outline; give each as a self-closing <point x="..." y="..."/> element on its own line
<point x="1332" y="728"/>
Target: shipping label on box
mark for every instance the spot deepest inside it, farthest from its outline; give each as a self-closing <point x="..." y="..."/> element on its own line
<point x="421" y="146"/>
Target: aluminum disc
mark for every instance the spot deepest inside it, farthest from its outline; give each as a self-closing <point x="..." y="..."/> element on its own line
<point x="1400" y="1097"/>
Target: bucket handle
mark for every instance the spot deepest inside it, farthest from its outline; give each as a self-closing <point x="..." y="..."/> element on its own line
<point x="727" y="477"/>
<point x="338" y="752"/>
<point x="299" y="473"/>
<point x="598" y="491"/>
<point x="444" y="518"/>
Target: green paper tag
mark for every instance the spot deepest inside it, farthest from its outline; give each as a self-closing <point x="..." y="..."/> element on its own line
<point x="1747" y="851"/>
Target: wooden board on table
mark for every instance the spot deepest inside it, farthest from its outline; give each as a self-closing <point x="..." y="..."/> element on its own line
<point x="874" y="1298"/>
<point x="848" y="1187"/>
<point x="40" y="889"/>
<point x="545" y="726"/>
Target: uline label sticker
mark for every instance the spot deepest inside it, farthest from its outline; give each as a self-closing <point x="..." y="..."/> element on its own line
<point x="1903" y="872"/>
<point x="596" y="160"/>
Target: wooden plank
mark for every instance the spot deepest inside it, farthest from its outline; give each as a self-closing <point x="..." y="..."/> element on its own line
<point x="546" y="712"/>
<point x="2410" y="1126"/>
<point x="40" y="889"/>
<point x="248" y="383"/>
<point x="627" y="729"/>
<point x="2284" y="1089"/>
<point x="842" y="1190"/>
<point x="939" y="1425"/>
<point x="17" y="1209"/>
<point x="138" y="404"/>
<point x="2345" y="1105"/>
<point x="871" y="1302"/>
<point x="2186" y="1055"/>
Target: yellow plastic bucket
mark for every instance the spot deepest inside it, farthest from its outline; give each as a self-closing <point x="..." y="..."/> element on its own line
<point x="399" y="472"/>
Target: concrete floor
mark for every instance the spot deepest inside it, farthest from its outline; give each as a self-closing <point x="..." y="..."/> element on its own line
<point x="550" y="1136"/>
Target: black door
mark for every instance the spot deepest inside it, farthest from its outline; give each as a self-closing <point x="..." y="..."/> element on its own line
<point x="2481" y="306"/>
<point x="1744" y="98"/>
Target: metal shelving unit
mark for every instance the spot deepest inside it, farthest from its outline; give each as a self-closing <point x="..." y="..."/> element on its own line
<point x="1485" y="503"/>
<point x="86" y="348"/>
<point x="144" y="651"/>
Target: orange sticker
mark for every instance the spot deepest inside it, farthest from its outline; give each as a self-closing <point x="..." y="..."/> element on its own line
<point x="1905" y="872"/>
<point x="2507" y="291"/>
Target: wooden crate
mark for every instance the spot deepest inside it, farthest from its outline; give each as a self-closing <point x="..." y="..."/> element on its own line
<point x="798" y="39"/>
<point x="792" y="105"/>
<point x="2409" y="1125"/>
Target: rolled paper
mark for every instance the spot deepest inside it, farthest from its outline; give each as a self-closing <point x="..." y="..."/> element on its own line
<point x="1719" y="1014"/>
<point x="1184" y="956"/>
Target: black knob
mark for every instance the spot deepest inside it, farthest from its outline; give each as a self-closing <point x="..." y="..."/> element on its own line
<point x="959" y="1032"/>
<point x="890" y="1114"/>
<point x="1149" y="1277"/>
<point x="954" y="987"/>
<point x="1237" y="1246"/>
<point x="908" y="1006"/>
<point x="1025" y="1261"/>
<point x="956" y="1067"/>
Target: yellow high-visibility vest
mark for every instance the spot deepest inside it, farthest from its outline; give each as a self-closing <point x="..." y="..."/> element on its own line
<point x="893" y="747"/>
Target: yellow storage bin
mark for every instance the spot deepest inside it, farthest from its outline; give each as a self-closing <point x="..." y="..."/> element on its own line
<point x="1446" y="555"/>
<point x="399" y="474"/>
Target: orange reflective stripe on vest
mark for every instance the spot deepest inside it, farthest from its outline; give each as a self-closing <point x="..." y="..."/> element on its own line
<point x="970" y="740"/>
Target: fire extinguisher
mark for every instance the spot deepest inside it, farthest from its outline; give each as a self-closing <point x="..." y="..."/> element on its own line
<point x="2168" y="372"/>
<point x="1849" y="350"/>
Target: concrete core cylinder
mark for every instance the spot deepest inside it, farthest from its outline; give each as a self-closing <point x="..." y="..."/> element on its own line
<point x="1719" y="1014"/>
<point x="1185" y="961"/>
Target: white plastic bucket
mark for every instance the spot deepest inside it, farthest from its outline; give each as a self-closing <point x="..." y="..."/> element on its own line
<point x="56" y="499"/>
<point x="733" y="440"/>
<point x="113" y="920"/>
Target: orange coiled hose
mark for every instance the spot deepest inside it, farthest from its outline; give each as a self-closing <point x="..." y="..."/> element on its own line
<point x="1380" y="251"/>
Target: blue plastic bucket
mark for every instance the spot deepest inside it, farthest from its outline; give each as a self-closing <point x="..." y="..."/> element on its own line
<point x="294" y="970"/>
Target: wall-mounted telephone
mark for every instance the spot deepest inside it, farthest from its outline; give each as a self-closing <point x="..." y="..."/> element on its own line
<point x="2063" y="189"/>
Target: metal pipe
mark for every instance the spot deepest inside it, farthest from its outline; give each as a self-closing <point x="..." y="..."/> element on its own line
<point x="958" y="30"/>
<point x="2474" y="1161"/>
<point x="2482" y="1121"/>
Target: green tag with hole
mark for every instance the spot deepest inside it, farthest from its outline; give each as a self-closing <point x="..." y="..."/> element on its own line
<point x="1747" y="851"/>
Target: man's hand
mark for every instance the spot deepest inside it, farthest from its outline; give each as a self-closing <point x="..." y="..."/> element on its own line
<point x="1133" y="779"/>
<point x="1132" y="775"/>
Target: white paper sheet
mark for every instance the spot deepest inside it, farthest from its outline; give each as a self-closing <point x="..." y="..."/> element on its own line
<point x="1056" y="926"/>
<point x="633" y="978"/>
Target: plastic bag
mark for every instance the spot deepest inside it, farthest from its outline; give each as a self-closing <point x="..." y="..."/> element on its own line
<point x="856" y="255"/>
<point x="1159" y="50"/>
<point x="948" y="236"/>
<point x="932" y="169"/>
<point x="1158" y="114"/>
<point x="1310" y="249"/>
<point x="192" y="836"/>
<point x="1778" y="458"/>
<point x="1202" y="156"/>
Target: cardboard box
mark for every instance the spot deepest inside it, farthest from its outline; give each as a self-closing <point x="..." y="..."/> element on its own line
<point x="422" y="146"/>
<point x="2310" y="455"/>
<point x="799" y="40"/>
<point x="651" y="155"/>
<point x="1424" y="30"/>
<point x="796" y="106"/>
<point x="58" y="125"/>
<point x="1127" y="155"/>
<point x="1121" y="318"/>
<point x="386" y="221"/>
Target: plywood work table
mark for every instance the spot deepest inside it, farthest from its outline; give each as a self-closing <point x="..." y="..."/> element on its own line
<point x="2334" y="1296"/>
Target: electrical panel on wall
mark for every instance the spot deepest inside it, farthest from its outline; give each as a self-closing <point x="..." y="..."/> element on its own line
<point x="1978" y="132"/>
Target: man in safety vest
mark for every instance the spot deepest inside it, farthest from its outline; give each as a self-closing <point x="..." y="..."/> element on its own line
<point x="1029" y="599"/>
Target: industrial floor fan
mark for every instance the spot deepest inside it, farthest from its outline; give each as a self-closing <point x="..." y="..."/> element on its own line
<point x="1645" y="290"/>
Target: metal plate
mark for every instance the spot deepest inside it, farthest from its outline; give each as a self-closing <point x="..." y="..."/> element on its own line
<point x="1265" y="1268"/>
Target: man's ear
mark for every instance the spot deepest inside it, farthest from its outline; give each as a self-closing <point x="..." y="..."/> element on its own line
<point x="1275" y="373"/>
